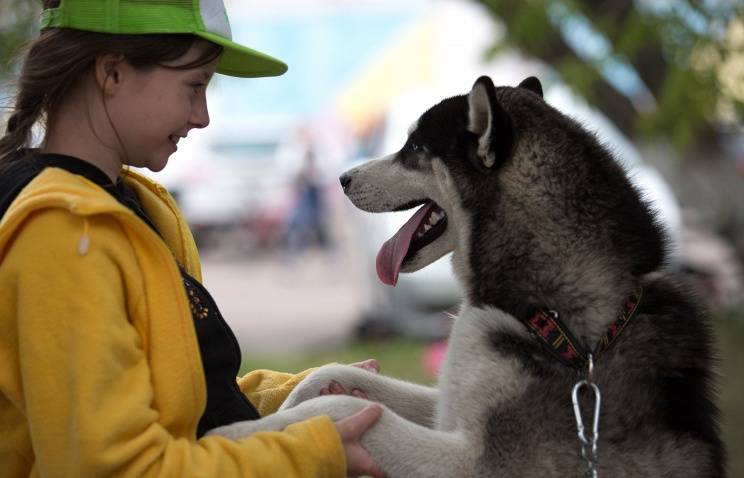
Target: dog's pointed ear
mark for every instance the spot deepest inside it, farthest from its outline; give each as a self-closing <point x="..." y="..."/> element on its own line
<point x="532" y="84"/>
<point x="488" y="120"/>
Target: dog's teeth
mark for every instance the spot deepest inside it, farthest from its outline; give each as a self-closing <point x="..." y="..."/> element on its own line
<point x="435" y="218"/>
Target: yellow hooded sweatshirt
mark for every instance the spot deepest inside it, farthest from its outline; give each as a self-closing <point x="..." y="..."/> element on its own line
<point x="100" y="372"/>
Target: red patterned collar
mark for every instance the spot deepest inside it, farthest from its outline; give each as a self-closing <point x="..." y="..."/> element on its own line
<point x="547" y="326"/>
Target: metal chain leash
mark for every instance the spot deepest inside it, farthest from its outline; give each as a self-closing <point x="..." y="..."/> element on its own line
<point x="588" y="443"/>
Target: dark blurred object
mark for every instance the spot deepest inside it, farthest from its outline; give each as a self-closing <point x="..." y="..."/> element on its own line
<point x="712" y="264"/>
<point x="713" y="188"/>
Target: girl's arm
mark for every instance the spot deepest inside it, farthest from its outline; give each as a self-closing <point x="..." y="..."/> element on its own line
<point x="267" y="389"/>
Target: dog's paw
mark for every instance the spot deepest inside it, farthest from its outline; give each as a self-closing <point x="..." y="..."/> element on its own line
<point x="310" y="387"/>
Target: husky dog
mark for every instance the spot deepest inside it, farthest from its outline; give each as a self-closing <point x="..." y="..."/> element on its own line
<point x="559" y="256"/>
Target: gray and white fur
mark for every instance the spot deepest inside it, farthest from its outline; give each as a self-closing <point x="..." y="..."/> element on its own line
<point x="538" y="214"/>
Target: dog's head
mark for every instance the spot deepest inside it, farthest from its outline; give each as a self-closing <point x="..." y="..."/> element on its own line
<point x="501" y="172"/>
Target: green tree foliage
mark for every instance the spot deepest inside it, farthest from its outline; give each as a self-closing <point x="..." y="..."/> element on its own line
<point x="18" y="23"/>
<point x="687" y="54"/>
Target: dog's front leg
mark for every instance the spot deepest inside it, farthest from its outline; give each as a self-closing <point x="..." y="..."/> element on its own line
<point x="409" y="400"/>
<point x="401" y="448"/>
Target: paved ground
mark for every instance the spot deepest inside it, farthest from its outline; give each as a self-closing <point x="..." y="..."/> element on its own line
<point x="276" y="306"/>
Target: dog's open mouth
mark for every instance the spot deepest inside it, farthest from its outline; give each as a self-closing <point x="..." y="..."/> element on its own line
<point x="422" y="229"/>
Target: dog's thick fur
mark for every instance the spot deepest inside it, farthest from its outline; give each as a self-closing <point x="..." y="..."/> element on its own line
<point x="538" y="214"/>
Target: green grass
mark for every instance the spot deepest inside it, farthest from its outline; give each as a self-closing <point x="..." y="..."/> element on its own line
<point x="730" y="331"/>
<point x="401" y="358"/>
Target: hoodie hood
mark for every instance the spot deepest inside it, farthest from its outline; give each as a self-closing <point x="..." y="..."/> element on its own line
<point x="57" y="188"/>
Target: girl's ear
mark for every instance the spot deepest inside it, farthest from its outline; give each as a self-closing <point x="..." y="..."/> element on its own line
<point x="490" y="123"/>
<point x="109" y="72"/>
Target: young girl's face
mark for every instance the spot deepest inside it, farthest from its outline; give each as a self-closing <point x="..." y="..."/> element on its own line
<point x="157" y="107"/>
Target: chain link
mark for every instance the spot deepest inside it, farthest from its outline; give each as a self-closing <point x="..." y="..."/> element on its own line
<point x="588" y="443"/>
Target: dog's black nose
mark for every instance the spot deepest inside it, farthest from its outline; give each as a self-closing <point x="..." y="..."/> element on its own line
<point x="345" y="181"/>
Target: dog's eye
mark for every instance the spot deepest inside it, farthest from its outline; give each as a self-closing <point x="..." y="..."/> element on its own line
<point x="415" y="147"/>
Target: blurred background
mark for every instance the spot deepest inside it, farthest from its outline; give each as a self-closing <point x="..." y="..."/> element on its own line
<point x="291" y="263"/>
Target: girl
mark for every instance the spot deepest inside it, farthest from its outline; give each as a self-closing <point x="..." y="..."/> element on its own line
<point x="115" y="359"/>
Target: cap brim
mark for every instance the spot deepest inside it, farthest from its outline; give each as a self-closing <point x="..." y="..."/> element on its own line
<point x="244" y="62"/>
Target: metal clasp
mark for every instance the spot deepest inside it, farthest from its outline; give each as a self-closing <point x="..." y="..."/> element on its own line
<point x="588" y="443"/>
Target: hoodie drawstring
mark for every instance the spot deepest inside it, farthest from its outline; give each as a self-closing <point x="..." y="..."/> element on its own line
<point x="84" y="243"/>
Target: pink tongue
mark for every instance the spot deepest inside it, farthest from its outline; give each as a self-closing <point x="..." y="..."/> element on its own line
<point x="391" y="255"/>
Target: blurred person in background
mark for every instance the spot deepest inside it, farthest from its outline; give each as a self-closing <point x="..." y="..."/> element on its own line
<point x="308" y="223"/>
<point x="116" y="360"/>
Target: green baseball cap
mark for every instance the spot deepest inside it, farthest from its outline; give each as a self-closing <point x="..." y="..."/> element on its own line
<point x="204" y="18"/>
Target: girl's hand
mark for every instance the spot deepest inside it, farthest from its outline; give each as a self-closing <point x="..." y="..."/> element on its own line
<point x="335" y="388"/>
<point x="358" y="461"/>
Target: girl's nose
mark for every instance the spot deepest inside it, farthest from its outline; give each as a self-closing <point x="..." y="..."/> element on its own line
<point x="200" y="114"/>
